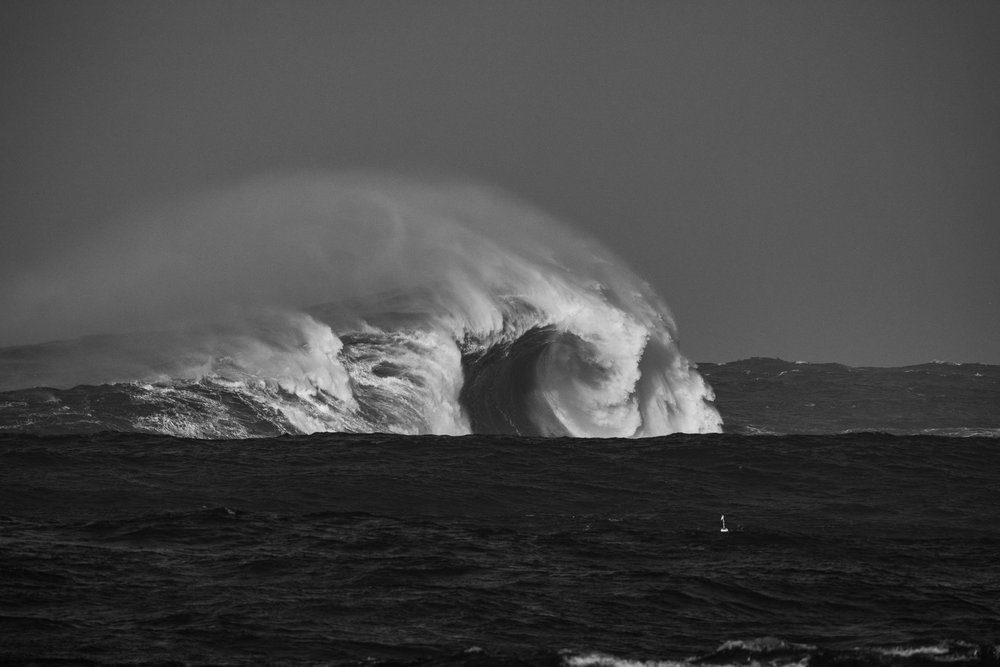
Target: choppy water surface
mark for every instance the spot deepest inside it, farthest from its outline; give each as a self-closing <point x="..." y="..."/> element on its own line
<point x="330" y="548"/>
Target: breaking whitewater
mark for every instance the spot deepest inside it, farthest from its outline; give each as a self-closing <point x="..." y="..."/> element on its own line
<point x="354" y="304"/>
<point x="360" y="420"/>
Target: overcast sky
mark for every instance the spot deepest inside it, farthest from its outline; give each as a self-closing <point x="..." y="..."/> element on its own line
<point x="816" y="181"/>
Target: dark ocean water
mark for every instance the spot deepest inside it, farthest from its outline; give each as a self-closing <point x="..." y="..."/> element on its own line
<point x="863" y="508"/>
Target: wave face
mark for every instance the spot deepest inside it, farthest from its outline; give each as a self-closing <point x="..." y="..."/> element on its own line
<point x="443" y="308"/>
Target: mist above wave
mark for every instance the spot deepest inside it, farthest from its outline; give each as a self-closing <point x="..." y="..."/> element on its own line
<point x="362" y="303"/>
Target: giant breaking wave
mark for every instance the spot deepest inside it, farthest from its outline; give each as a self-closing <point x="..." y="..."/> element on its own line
<point x="443" y="308"/>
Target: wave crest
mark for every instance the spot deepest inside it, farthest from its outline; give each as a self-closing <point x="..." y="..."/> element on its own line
<point x="446" y="308"/>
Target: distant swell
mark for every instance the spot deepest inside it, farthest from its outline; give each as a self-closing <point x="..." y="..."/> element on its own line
<point x="444" y="309"/>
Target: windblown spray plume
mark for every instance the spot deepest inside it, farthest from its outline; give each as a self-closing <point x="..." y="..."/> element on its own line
<point x="304" y="303"/>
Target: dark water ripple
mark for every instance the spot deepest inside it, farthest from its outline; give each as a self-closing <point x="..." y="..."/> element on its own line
<point x="312" y="550"/>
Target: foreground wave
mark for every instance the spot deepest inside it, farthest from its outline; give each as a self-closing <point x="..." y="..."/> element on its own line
<point x="765" y="651"/>
<point x="775" y="652"/>
<point x="445" y="309"/>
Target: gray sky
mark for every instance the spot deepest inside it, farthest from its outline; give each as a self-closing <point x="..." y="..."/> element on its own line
<point x="816" y="181"/>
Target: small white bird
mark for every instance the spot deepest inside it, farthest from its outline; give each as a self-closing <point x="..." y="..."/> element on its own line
<point x="724" y="529"/>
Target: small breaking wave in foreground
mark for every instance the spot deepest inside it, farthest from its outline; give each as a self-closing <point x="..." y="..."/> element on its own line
<point x="774" y="652"/>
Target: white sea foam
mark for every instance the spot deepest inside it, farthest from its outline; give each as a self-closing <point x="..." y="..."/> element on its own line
<point x="605" y="660"/>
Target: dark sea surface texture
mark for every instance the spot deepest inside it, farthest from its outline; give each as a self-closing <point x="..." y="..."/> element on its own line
<point x="862" y="508"/>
